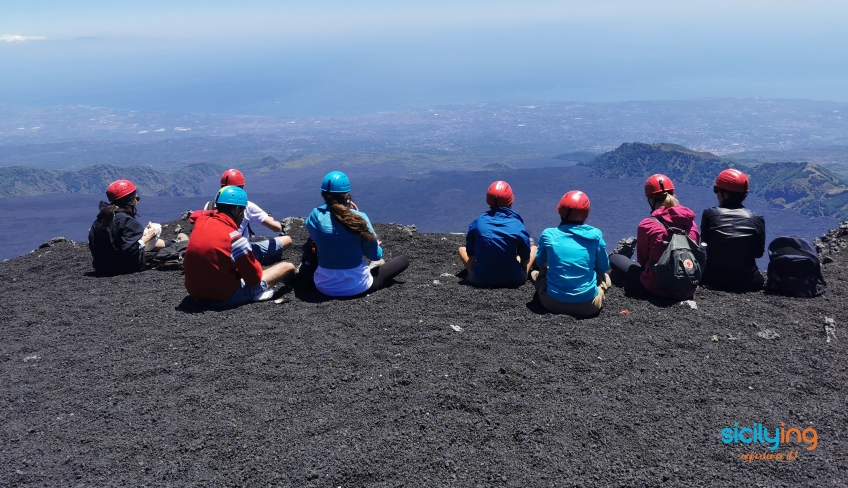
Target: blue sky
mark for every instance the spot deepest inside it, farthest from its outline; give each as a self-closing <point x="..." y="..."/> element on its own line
<point x="337" y="58"/>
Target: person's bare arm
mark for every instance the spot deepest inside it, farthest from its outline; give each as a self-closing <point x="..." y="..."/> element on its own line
<point x="272" y="224"/>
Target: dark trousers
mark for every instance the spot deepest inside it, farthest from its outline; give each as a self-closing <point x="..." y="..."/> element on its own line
<point x="627" y="273"/>
<point x="734" y="281"/>
<point x="384" y="273"/>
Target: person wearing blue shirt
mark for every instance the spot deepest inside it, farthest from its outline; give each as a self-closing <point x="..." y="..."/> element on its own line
<point x="497" y="251"/>
<point x="343" y="235"/>
<point x="572" y="261"/>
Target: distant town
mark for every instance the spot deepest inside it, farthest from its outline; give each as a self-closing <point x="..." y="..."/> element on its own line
<point x="66" y="137"/>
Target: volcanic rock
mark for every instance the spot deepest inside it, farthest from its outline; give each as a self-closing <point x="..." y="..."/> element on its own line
<point x="120" y="381"/>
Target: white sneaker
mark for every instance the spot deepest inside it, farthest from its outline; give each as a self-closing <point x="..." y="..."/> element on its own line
<point x="374" y="264"/>
<point x="266" y="295"/>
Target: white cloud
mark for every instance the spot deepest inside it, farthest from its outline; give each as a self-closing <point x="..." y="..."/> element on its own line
<point x="20" y="38"/>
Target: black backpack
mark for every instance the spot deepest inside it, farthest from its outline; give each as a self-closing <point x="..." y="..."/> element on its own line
<point x="308" y="262"/>
<point x="681" y="266"/>
<point x="794" y="268"/>
<point x="167" y="259"/>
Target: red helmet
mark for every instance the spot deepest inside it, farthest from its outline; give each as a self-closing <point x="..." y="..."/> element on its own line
<point x="574" y="206"/>
<point x="119" y="190"/>
<point x="732" y="180"/>
<point x="232" y="177"/>
<point x="658" y="184"/>
<point x="499" y="194"/>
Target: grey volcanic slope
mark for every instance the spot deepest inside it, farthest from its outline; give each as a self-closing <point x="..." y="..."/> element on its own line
<point x="119" y="381"/>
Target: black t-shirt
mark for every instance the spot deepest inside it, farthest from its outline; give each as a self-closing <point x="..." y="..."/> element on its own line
<point x="735" y="238"/>
<point x="114" y="245"/>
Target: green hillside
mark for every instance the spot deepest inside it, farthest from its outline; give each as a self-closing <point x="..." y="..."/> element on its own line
<point x="22" y="181"/>
<point x="809" y="188"/>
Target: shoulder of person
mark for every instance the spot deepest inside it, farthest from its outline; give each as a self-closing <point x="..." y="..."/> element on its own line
<point x="549" y="233"/>
<point x="360" y="213"/>
<point x="649" y="222"/>
<point x="127" y="220"/>
<point x="317" y="211"/>
<point x="709" y="212"/>
<point x="517" y="219"/>
<point x="592" y="232"/>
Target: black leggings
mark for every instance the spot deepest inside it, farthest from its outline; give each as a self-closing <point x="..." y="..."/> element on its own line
<point x="384" y="273"/>
<point x="627" y="273"/>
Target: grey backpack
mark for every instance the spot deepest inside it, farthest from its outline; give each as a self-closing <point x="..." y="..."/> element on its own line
<point x="681" y="266"/>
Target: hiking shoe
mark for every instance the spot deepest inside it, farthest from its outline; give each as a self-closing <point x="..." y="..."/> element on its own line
<point x="266" y="295"/>
<point x="181" y="237"/>
<point x="625" y="247"/>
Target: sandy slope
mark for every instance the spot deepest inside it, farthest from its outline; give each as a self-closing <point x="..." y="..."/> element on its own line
<point x="118" y="381"/>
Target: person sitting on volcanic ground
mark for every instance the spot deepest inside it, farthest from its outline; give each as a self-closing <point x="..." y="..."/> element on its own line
<point x="497" y="251"/>
<point x="640" y="277"/>
<point x="342" y="235"/>
<point x="572" y="260"/>
<point x="268" y="251"/>
<point x="220" y="268"/>
<point x="735" y="237"/>
<point x="116" y="239"/>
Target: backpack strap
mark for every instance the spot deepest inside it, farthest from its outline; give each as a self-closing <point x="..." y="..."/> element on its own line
<point x="670" y="229"/>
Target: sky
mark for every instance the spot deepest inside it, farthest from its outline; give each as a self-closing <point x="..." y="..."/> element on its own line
<point x="325" y="58"/>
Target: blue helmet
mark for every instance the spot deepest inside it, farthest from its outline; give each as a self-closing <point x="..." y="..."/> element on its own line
<point x="336" y="182"/>
<point x="232" y="195"/>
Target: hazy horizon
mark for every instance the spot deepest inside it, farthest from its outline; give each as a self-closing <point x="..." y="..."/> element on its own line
<point x="330" y="58"/>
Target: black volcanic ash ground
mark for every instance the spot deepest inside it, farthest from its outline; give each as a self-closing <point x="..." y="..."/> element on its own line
<point x="118" y="381"/>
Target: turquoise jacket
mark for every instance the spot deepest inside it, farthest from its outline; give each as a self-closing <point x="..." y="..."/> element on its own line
<point x="574" y="254"/>
<point x="339" y="248"/>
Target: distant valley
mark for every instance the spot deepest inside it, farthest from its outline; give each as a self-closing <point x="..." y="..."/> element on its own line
<point x="436" y="201"/>
<point x="428" y="166"/>
<point x="808" y="188"/>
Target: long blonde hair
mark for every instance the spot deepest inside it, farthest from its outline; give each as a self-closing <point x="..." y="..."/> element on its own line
<point x="669" y="201"/>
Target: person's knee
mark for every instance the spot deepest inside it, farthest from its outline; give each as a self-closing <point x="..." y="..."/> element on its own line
<point x="402" y="262"/>
<point x="280" y="269"/>
<point x="284" y="241"/>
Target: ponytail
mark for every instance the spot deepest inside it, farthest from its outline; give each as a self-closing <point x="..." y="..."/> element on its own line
<point x="668" y="200"/>
<point x="108" y="210"/>
<point x="337" y="204"/>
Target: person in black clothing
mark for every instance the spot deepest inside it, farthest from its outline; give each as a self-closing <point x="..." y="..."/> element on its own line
<point x="735" y="237"/>
<point x="117" y="240"/>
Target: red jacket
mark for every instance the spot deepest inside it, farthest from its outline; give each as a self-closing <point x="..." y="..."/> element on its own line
<point x="217" y="258"/>
<point x="649" y="246"/>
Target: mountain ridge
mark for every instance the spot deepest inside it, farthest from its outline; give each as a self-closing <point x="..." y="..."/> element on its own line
<point x="805" y="187"/>
<point x="184" y="181"/>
